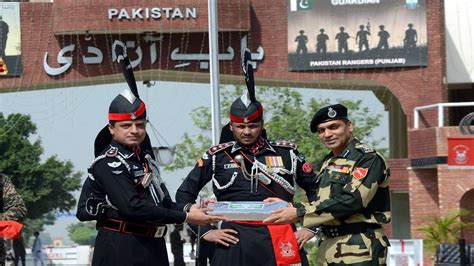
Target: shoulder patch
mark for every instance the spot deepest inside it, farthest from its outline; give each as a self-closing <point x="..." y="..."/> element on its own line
<point x="301" y="157"/>
<point x="200" y="162"/>
<point x="359" y="172"/>
<point x="283" y="143"/>
<point x="307" y="168"/>
<point x="219" y="147"/>
<point x="112" y="152"/>
<point x="364" y="148"/>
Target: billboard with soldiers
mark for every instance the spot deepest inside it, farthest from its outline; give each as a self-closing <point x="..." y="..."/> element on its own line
<point x="10" y="40"/>
<point x="351" y="34"/>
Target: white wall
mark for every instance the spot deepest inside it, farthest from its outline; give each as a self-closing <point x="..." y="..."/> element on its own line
<point x="459" y="17"/>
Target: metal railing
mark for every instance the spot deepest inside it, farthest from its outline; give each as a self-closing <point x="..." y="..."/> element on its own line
<point x="440" y="106"/>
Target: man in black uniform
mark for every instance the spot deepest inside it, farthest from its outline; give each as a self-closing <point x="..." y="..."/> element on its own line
<point x="177" y="241"/>
<point x="124" y="190"/>
<point x="276" y="168"/>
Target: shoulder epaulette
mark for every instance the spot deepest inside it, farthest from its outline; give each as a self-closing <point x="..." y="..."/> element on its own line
<point x="283" y="143"/>
<point x="364" y="148"/>
<point x="219" y="147"/>
<point x="112" y="152"/>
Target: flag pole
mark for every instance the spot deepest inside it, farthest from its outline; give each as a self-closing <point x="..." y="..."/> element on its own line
<point x="214" y="70"/>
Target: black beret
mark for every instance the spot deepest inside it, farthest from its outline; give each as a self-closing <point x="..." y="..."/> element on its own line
<point x="328" y="113"/>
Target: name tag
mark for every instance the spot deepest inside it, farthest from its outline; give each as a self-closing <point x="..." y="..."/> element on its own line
<point x="138" y="173"/>
<point x="230" y="166"/>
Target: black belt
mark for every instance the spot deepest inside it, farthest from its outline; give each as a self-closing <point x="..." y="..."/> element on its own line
<point x="348" y="229"/>
<point x="144" y="230"/>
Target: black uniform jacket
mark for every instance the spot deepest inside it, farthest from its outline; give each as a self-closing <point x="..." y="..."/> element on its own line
<point x="283" y="165"/>
<point x="115" y="175"/>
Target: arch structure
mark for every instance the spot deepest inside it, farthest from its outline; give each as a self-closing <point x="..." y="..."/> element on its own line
<point x="68" y="43"/>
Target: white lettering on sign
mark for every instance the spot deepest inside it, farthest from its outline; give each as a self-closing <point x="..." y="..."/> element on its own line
<point x="353" y="2"/>
<point x="95" y="56"/>
<point x="152" y="13"/>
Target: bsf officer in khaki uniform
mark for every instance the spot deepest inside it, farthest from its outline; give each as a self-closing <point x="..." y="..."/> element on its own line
<point x="353" y="200"/>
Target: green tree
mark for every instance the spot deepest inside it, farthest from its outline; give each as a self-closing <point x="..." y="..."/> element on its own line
<point x="82" y="233"/>
<point x="45" y="185"/>
<point x="444" y="229"/>
<point x="287" y="117"/>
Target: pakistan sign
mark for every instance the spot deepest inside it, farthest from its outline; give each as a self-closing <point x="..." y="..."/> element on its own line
<point x="351" y="34"/>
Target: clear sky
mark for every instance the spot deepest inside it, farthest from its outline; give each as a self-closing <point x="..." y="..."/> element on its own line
<point x="69" y="119"/>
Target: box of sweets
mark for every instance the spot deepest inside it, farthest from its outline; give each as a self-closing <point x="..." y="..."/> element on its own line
<point x="245" y="210"/>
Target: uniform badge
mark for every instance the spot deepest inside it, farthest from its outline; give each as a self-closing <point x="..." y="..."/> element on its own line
<point x="205" y="156"/>
<point x="114" y="164"/>
<point x="307" y="168"/>
<point x="364" y="147"/>
<point x="360" y="172"/>
<point x="331" y="112"/>
<point x="274" y="163"/>
<point x="301" y="157"/>
<point x="146" y="180"/>
<point x="230" y="166"/>
<point x="112" y="152"/>
<point x="138" y="173"/>
<point x="117" y="172"/>
<point x="286" y="249"/>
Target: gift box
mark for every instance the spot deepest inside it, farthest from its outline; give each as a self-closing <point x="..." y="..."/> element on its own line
<point x="245" y="210"/>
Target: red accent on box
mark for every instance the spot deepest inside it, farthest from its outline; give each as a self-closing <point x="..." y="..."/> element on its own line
<point x="461" y="151"/>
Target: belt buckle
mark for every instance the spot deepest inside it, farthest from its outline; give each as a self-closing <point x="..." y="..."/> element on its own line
<point x="120" y="224"/>
<point x="160" y="231"/>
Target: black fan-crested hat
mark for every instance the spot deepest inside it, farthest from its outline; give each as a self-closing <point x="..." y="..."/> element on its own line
<point x="246" y="108"/>
<point x="125" y="106"/>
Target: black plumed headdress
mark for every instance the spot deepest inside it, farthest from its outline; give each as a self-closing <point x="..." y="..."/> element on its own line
<point x="246" y="108"/>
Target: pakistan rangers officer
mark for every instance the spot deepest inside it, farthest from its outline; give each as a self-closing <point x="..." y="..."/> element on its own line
<point x="353" y="200"/>
<point x="125" y="177"/>
<point x="251" y="168"/>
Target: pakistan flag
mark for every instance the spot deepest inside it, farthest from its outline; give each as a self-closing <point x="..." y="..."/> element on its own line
<point x="301" y="5"/>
